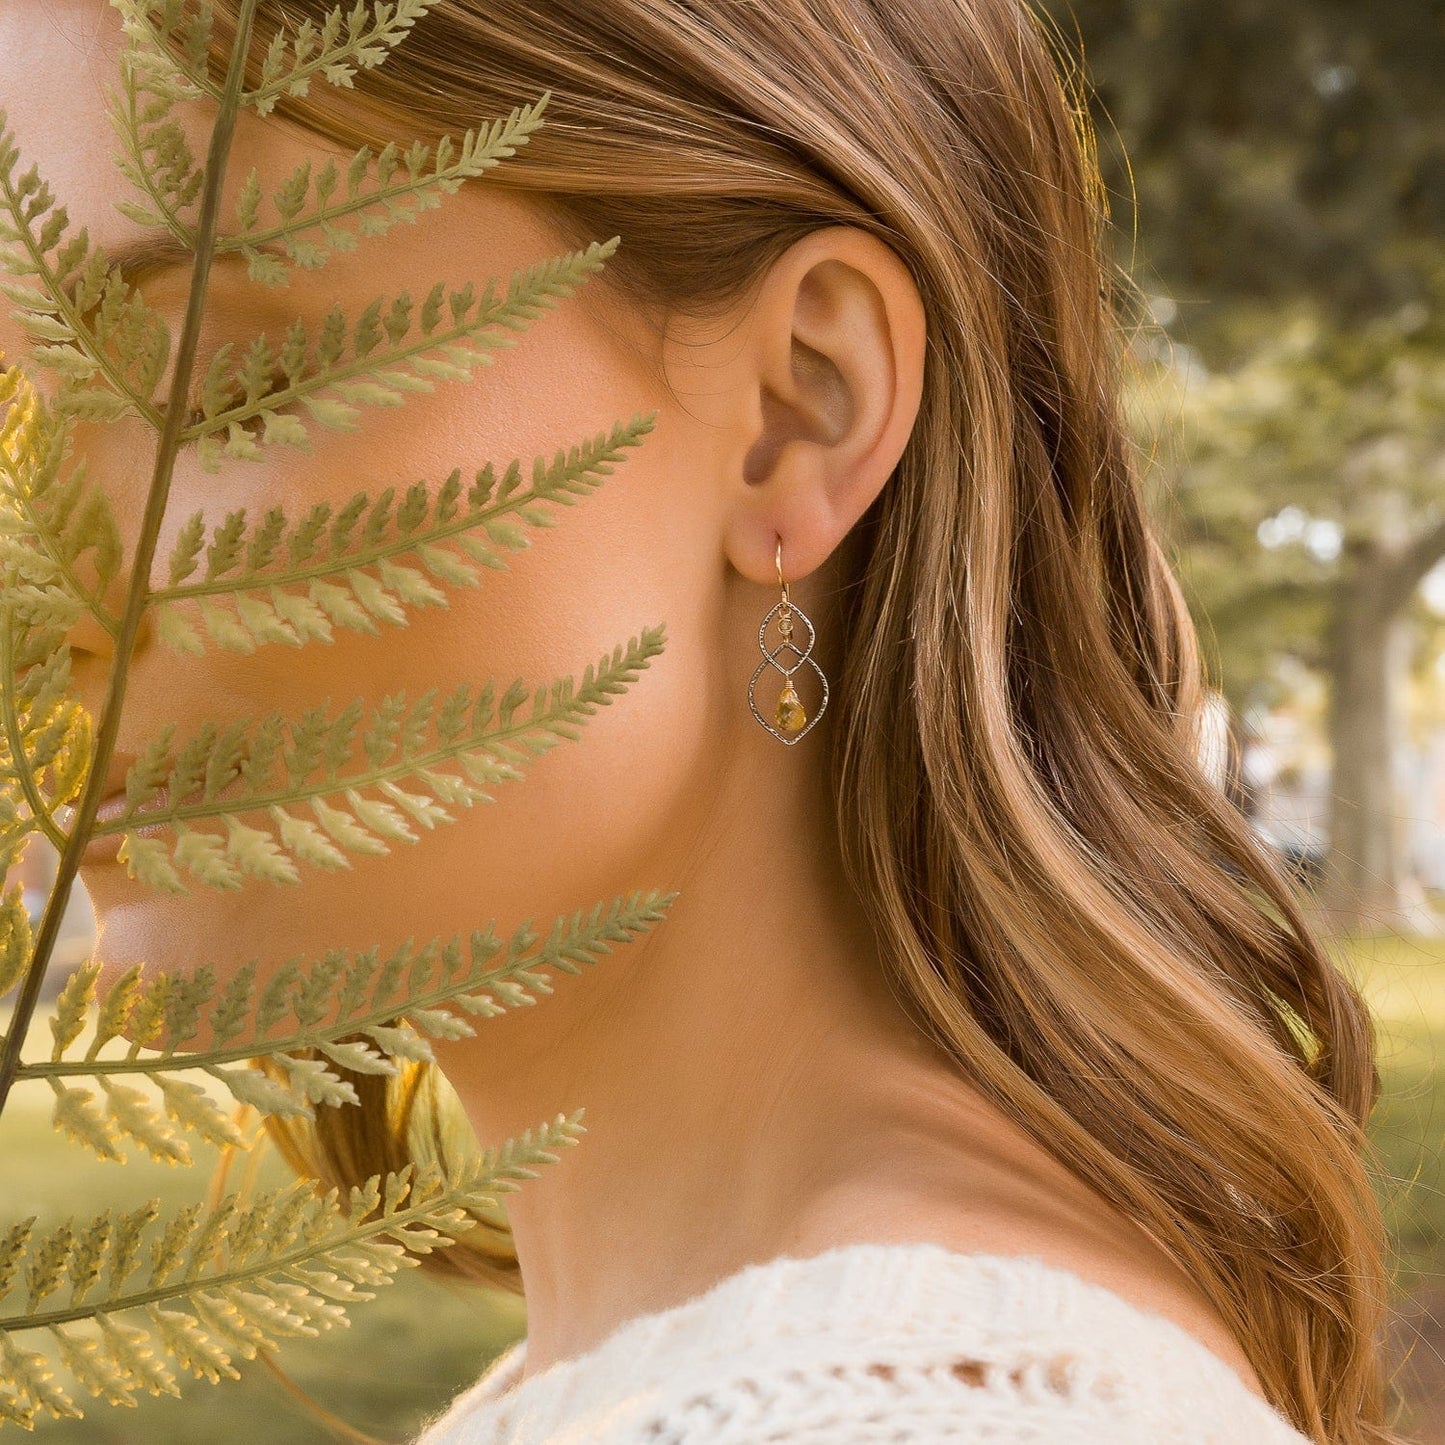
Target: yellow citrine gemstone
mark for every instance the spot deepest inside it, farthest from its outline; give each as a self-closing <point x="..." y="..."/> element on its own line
<point x="789" y="716"/>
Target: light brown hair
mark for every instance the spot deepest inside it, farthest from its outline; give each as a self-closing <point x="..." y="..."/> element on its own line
<point x="1066" y="901"/>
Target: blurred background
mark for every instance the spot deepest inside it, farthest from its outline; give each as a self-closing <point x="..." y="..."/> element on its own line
<point x="1277" y="186"/>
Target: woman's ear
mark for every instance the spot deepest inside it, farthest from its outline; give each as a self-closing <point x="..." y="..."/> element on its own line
<point x="831" y="383"/>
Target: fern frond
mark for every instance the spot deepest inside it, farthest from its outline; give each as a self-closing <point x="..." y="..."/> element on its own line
<point x="28" y="1386"/>
<point x="372" y="363"/>
<point x="347" y="1009"/>
<point x="46" y="737"/>
<point x="417" y="741"/>
<point x="15" y="938"/>
<point x="153" y="28"/>
<point x="357" y="548"/>
<point x="108" y="347"/>
<point x="346" y="41"/>
<point x="381" y="189"/>
<point x="202" y="1287"/>
<point x="126" y="1301"/>
<point x="156" y="156"/>
<point x="13" y="841"/>
<point x="48" y="523"/>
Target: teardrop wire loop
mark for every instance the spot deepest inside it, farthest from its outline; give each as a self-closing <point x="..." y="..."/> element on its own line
<point x="786" y="610"/>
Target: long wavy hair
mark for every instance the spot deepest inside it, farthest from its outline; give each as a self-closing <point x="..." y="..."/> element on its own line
<point x="1067" y="903"/>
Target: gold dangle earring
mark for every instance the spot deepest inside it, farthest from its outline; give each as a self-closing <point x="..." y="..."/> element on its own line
<point x="789" y="722"/>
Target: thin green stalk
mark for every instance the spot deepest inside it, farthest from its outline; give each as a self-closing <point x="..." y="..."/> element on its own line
<point x="138" y="596"/>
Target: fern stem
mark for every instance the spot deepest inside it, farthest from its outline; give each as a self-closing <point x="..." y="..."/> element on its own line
<point x="137" y="597"/>
<point x="17" y="747"/>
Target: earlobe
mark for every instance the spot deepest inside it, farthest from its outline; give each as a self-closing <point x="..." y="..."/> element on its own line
<point x="838" y="338"/>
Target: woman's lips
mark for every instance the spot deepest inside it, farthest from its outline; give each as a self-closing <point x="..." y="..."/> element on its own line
<point x="104" y="849"/>
<point x="149" y="821"/>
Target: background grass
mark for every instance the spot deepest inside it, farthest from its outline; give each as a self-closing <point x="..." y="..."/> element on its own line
<point x="408" y="1351"/>
<point x="1404" y="979"/>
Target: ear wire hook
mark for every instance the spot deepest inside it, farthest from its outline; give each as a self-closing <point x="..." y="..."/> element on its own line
<point x="789" y="720"/>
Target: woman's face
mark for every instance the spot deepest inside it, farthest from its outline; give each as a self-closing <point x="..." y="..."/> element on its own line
<point x="591" y="819"/>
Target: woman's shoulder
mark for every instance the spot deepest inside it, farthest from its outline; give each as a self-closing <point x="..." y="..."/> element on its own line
<point x="866" y="1338"/>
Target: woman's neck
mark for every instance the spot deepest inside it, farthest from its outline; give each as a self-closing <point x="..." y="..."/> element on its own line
<point x="741" y="1066"/>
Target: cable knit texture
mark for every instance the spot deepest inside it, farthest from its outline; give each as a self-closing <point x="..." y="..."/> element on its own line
<point x="878" y="1344"/>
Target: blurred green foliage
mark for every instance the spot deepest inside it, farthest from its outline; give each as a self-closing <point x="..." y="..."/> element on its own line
<point x="1307" y="474"/>
<point x="1276" y="176"/>
<point x="1282" y="150"/>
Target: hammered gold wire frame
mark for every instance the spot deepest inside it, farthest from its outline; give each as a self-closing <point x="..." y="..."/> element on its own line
<point x="789" y="724"/>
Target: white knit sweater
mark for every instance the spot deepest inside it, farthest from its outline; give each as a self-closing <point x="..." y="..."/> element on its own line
<point x="872" y="1343"/>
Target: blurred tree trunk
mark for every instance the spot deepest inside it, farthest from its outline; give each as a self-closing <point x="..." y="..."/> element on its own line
<point x="1366" y="659"/>
<point x="1361" y="883"/>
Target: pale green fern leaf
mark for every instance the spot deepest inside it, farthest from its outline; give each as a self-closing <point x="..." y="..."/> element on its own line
<point x="156" y="156"/>
<point x="168" y="46"/>
<point x="211" y="1285"/>
<point x="108" y="347"/>
<point x="13" y="1244"/>
<point x="174" y="42"/>
<point x="136" y="1117"/>
<point x="45" y="736"/>
<point x="319" y="213"/>
<point x="30" y="1387"/>
<point x="352" y="1011"/>
<point x="68" y="1021"/>
<point x="247" y="767"/>
<point x="127" y="1300"/>
<point x="49" y="522"/>
<point x="14" y="938"/>
<point x="78" y="1119"/>
<point x="375" y="362"/>
<point x="347" y="40"/>
<point x="256" y="570"/>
